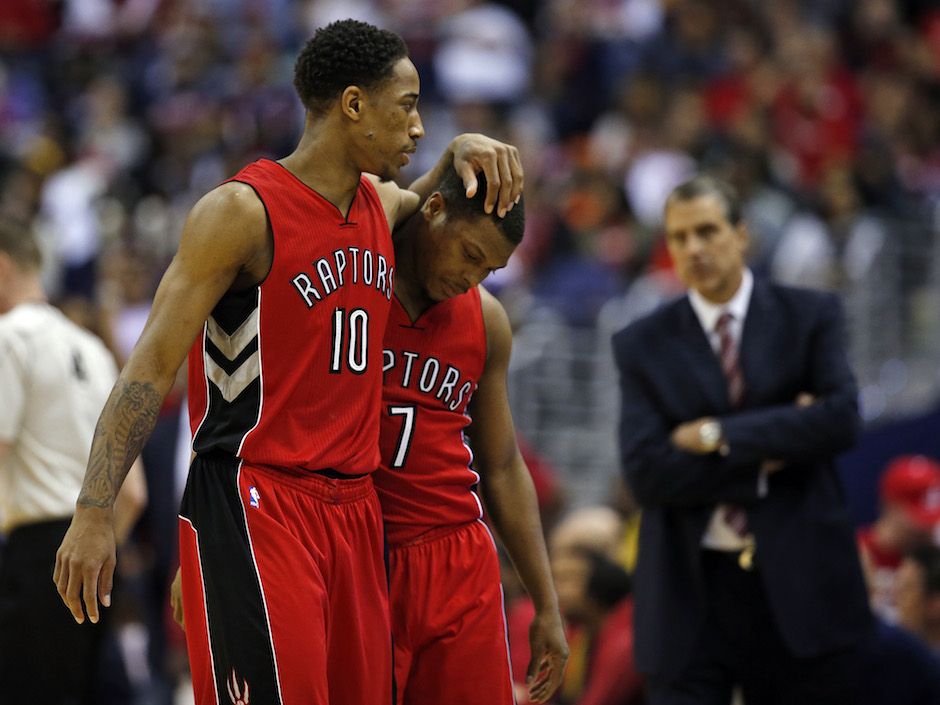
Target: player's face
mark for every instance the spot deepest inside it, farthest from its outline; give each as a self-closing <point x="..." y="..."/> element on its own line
<point x="391" y="125"/>
<point x="706" y="248"/>
<point x="459" y="254"/>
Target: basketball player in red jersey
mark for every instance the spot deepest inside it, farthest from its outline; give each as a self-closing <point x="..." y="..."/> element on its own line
<point x="283" y="279"/>
<point x="447" y="348"/>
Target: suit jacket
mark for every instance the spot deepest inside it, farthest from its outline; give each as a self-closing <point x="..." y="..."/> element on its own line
<point x="792" y="342"/>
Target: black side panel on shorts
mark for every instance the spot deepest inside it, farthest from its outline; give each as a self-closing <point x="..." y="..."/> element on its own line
<point x="239" y="633"/>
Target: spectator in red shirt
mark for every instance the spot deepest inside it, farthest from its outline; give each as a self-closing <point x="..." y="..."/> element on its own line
<point x="594" y="596"/>
<point x="910" y="516"/>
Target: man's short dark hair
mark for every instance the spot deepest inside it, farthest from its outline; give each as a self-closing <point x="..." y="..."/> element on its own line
<point x="705" y="185"/>
<point x="19" y="243"/>
<point x="927" y="557"/>
<point x="451" y="187"/>
<point x="342" y="54"/>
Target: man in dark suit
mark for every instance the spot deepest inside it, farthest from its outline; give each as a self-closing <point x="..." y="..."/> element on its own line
<point x="735" y="398"/>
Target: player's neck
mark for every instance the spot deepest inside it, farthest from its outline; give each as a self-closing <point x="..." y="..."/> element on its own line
<point x="412" y="297"/>
<point x="320" y="161"/>
<point x="408" y="289"/>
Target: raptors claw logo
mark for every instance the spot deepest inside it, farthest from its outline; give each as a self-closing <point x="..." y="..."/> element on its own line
<point x="238" y="695"/>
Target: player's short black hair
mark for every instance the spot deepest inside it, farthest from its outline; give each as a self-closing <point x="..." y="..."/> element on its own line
<point x="706" y="185"/>
<point x="19" y="243"/>
<point x="451" y="187"/>
<point x="344" y="53"/>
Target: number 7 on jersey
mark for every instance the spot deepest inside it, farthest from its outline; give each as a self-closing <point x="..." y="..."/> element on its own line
<point x="407" y="432"/>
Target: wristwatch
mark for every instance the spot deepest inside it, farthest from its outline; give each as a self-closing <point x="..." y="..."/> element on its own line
<point x="710" y="435"/>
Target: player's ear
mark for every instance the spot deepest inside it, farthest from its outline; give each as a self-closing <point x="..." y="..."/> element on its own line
<point x="434" y="206"/>
<point x="351" y="103"/>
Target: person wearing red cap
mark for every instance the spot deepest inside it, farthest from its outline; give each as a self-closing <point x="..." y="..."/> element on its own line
<point x="910" y="516"/>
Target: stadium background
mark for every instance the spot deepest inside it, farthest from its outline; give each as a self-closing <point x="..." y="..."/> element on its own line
<point x="116" y="115"/>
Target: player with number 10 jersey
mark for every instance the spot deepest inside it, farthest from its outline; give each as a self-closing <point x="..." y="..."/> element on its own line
<point x="288" y="373"/>
<point x="284" y="385"/>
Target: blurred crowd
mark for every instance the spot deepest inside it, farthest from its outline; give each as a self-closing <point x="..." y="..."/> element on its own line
<point x="117" y="115"/>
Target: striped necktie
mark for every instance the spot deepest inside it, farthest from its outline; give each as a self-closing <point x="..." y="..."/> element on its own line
<point x="733" y="515"/>
<point x="730" y="363"/>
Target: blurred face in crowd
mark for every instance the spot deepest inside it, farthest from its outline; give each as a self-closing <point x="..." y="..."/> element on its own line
<point x="708" y="251"/>
<point x="905" y="533"/>
<point x="570" y="572"/>
<point x="389" y="123"/>
<point x="456" y="254"/>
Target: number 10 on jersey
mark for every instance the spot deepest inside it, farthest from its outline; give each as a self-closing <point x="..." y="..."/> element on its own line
<point x="350" y="341"/>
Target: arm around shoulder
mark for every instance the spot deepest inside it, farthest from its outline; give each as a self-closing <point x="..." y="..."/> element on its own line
<point x="398" y="203"/>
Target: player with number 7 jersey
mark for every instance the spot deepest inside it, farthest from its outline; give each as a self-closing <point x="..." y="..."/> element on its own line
<point x="446" y="350"/>
<point x="432" y="367"/>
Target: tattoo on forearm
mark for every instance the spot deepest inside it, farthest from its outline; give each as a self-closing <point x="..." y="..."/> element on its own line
<point x="125" y="424"/>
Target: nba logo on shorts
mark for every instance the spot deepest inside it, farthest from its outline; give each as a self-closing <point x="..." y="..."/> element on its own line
<point x="254" y="497"/>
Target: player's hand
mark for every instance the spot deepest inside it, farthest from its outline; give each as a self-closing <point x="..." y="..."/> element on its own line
<point x="549" y="655"/>
<point x="498" y="161"/>
<point x="84" y="563"/>
<point x="176" y="599"/>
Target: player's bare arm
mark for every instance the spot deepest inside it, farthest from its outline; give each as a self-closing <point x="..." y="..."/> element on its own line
<point x="469" y="154"/>
<point x="225" y="244"/>
<point x="511" y="502"/>
<point x="130" y="502"/>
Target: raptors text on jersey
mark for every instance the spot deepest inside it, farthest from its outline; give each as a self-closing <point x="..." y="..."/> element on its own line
<point x="431" y="368"/>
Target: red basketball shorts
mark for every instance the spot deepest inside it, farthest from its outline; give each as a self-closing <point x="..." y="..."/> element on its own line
<point x="447" y="620"/>
<point x="284" y="588"/>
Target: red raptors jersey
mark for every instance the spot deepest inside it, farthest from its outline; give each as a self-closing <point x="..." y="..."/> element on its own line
<point x="288" y="373"/>
<point x="431" y="368"/>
